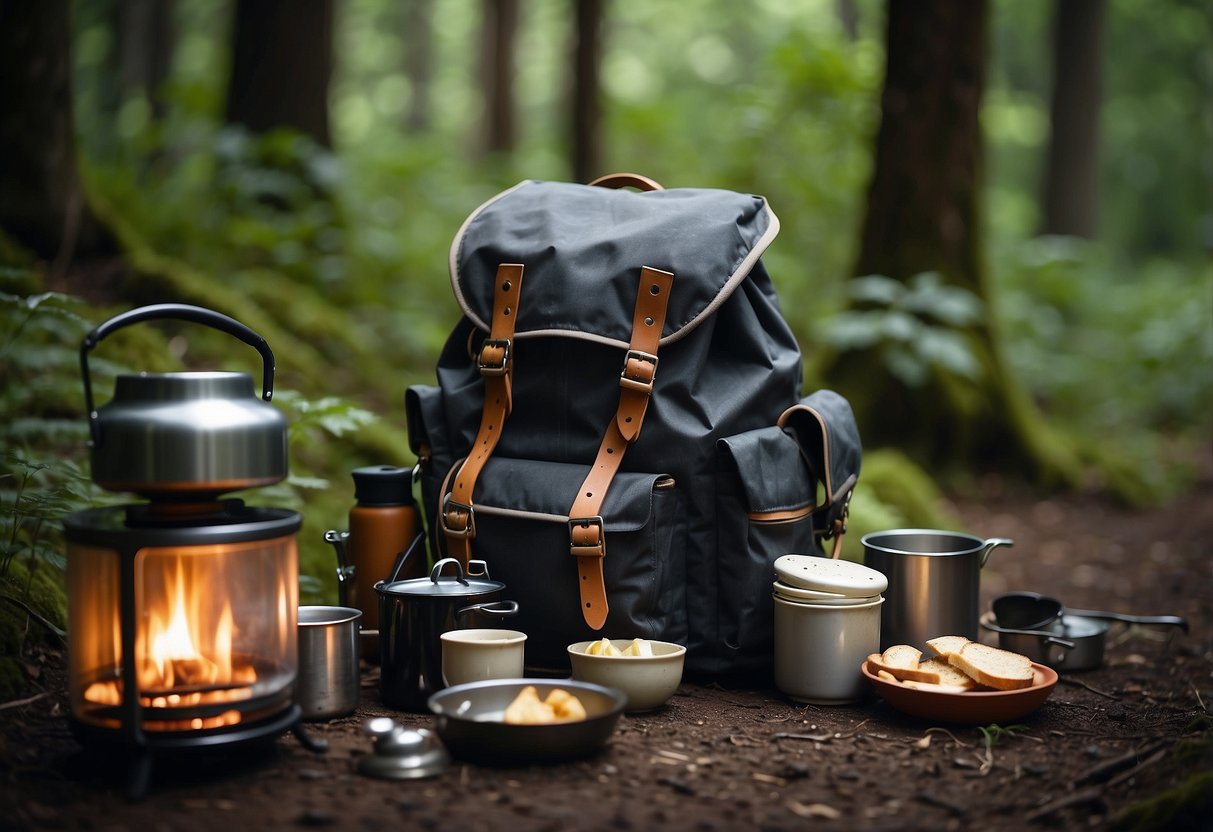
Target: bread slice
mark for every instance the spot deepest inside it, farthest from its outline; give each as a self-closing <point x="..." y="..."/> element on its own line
<point x="927" y="686"/>
<point x="876" y="663"/>
<point x="902" y="655"/>
<point x="948" y="675"/>
<point x="993" y="666"/>
<point x="945" y="646"/>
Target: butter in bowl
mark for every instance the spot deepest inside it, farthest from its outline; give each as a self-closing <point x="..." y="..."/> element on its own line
<point x="646" y="671"/>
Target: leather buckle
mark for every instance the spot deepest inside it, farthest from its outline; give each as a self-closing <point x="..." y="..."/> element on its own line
<point x="647" y="362"/>
<point x="585" y="537"/>
<point x="494" y="368"/>
<point x="450" y="512"/>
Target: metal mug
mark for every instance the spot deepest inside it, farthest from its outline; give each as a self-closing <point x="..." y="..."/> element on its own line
<point x="328" y="685"/>
<point x="934" y="582"/>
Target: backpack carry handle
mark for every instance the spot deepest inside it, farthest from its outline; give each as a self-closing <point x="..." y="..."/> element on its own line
<point x="628" y="180"/>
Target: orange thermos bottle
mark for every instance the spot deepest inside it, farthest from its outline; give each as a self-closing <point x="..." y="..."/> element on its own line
<point x="383" y="522"/>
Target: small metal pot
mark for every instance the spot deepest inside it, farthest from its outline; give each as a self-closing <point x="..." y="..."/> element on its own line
<point x="1075" y="643"/>
<point x="413" y="615"/>
<point x="328" y="682"/>
<point x="934" y="582"/>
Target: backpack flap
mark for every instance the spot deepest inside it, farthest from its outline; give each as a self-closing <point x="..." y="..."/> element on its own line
<point x="584" y="247"/>
<point x="825" y="429"/>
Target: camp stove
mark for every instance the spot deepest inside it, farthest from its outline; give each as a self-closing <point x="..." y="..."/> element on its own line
<point x="183" y="610"/>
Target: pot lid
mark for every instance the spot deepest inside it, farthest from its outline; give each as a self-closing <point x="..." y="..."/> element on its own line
<point x="402" y="754"/>
<point x="813" y="598"/>
<point x="825" y="575"/>
<point x="455" y="583"/>
<point x="1077" y="626"/>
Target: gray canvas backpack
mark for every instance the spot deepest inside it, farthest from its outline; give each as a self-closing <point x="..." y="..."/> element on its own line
<point x="617" y="429"/>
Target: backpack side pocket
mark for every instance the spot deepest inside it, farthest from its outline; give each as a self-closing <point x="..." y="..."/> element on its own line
<point x="765" y="498"/>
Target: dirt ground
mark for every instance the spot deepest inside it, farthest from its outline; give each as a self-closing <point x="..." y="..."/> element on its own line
<point x="1134" y="732"/>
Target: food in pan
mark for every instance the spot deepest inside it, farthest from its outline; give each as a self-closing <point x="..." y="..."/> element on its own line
<point x="528" y="709"/>
<point x="962" y="665"/>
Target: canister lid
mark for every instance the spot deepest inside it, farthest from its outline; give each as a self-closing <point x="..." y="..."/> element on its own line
<point x="823" y="575"/>
<point x="402" y="754"/>
<point x="383" y="485"/>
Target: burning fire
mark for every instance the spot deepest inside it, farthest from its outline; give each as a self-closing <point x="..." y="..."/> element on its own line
<point x="183" y="663"/>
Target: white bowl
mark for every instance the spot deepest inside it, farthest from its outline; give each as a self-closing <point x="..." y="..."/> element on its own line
<point x="647" y="681"/>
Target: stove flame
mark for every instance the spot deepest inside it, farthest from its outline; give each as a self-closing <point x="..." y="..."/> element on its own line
<point x="174" y="659"/>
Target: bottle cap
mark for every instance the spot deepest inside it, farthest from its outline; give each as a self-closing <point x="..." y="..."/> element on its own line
<point x="383" y="485"/>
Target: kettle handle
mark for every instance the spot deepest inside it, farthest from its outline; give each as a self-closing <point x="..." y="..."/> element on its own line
<point x="185" y="312"/>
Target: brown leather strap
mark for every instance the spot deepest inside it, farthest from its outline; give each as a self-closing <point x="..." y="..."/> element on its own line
<point x="628" y="180"/>
<point x="496" y="366"/>
<point x="587" y="541"/>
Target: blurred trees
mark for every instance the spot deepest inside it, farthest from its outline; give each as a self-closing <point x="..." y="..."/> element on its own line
<point x="42" y="203"/>
<point x="955" y="406"/>
<point x="1071" y="182"/>
<point x="497" y="69"/>
<point x="586" y="105"/>
<point x="282" y="59"/>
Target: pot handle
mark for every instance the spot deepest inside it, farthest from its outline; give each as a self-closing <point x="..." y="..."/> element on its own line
<point x="495" y="609"/>
<point x="992" y="544"/>
<point x="184" y="312"/>
<point x="436" y="572"/>
<point x="345" y="569"/>
<point x="1160" y="620"/>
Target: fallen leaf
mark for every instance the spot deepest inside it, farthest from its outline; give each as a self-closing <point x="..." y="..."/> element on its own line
<point x="813" y="810"/>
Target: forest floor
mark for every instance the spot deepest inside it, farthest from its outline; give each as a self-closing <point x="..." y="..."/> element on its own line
<point x="1134" y="733"/>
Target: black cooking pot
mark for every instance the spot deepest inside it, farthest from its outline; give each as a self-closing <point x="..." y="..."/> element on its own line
<point x="414" y="613"/>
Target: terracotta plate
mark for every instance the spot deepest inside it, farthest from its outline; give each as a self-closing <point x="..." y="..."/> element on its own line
<point x="975" y="708"/>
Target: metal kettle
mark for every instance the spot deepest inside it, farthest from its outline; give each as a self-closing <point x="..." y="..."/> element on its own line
<point x="189" y="434"/>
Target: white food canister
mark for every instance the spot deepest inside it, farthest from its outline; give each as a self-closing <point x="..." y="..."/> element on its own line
<point x="827" y="621"/>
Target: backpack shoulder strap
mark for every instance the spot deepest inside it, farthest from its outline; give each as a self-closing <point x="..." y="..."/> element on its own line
<point x="496" y="367"/>
<point x="587" y="541"/>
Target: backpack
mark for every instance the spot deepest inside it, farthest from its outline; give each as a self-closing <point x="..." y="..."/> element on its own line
<point x="617" y="430"/>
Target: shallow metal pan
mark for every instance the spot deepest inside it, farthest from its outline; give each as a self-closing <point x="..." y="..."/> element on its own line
<point x="468" y="719"/>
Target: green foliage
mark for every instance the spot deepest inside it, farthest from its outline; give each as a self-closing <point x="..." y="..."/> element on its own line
<point x="1119" y="358"/>
<point x="339" y="257"/>
<point x="915" y="327"/>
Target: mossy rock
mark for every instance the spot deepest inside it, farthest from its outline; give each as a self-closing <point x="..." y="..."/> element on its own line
<point x="893" y="493"/>
<point x="1187" y="806"/>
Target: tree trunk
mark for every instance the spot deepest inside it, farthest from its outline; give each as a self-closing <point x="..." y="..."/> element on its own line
<point x="419" y="63"/>
<point x="923" y="216"/>
<point x="586" y="106"/>
<point x="145" y="41"/>
<point x="282" y="59"/>
<point x="42" y="204"/>
<point x="497" y="69"/>
<point x="1071" y="183"/>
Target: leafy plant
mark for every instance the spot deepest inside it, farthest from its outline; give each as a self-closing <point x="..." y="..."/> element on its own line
<point x="917" y="326"/>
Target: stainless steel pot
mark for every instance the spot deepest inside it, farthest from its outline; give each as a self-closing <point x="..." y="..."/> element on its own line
<point x="173" y="434"/>
<point x="934" y="582"/>
<point x="1073" y="644"/>
<point x="414" y="613"/>
<point x="1044" y="630"/>
<point x="328" y="682"/>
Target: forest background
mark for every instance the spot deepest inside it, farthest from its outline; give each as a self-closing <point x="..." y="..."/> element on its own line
<point x="316" y="203"/>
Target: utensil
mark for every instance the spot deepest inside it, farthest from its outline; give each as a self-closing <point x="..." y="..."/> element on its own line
<point x="1033" y="611"/>
<point x="1074" y="643"/>
<point x="647" y="681"/>
<point x="827" y="621"/>
<point x="190" y="432"/>
<point x="970" y="707"/>
<point x="328" y="682"/>
<point x="400" y="753"/>
<point x="934" y="582"/>
<point x="480" y="654"/>
<point x="415" y="612"/>
<point x="468" y="718"/>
